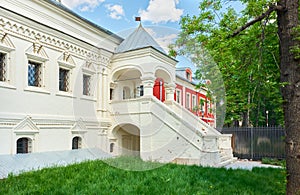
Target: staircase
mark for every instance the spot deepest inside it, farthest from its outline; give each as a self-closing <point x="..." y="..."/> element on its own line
<point x="170" y="133"/>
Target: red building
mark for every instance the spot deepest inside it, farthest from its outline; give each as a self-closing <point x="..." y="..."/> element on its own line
<point x="186" y="94"/>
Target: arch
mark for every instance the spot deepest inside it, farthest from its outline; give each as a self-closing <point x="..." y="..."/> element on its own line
<point x="163" y="73"/>
<point x="76" y="143"/>
<point x="128" y="139"/>
<point x="127" y="83"/>
<point x="24" y="145"/>
<point x="124" y="70"/>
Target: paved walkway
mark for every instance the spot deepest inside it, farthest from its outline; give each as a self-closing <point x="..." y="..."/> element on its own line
<point x="17" y="164"/>
<point x="248" y="165"/>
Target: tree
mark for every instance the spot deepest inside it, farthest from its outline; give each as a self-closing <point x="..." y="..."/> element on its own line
<point x="285" y="12"/>
<point x="248" y="64"/>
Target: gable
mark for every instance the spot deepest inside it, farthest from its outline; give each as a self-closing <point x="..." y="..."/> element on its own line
<point x="26" y="126"/>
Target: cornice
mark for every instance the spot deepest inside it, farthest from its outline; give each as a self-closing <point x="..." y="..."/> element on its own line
<point x="145" y="52"/>
<point x="62" y="43"/>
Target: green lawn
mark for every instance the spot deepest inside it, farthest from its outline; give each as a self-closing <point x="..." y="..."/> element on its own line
<point x="97" y="177"/>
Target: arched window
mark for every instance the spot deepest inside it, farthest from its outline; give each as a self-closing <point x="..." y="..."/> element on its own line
<point x="24" y="145"/>
<point x="76" y="143"/>
<point x="111" y="147"/>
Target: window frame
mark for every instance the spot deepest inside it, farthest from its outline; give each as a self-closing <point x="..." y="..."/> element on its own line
<point x="36" y="58"/>
<point x="66" y="79"/>
<point x="38" y="82"/>
<point x="178" y="97"/>
<point x="188" y="100"/>
<point x="88" y="93"/>
<point x="194" y="101"/>
<point x="3" y="66"/>
<point x="69" y="67"/>
<point x="8" y="52"/>
<point x="91" y="73"/>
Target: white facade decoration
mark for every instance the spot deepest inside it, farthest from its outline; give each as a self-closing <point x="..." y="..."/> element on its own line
<point x="119" y="115"/>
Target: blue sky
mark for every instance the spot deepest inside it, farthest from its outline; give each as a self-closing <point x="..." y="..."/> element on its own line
<point x="160" y="17"/>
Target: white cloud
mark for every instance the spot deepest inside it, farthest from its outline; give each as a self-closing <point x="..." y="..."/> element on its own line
<point x="163" y="41"/>
<point x="82" y="5"/>
<point x="161" y="11"/>
<point x="115" y="11"/>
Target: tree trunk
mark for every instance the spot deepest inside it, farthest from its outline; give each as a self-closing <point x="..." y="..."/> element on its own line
<point x="290" y="73"/>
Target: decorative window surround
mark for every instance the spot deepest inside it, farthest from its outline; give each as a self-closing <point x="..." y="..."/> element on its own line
<point x="26" y="129"/>
<point x="178" y="96"/>
<point x="194" y="101"/>
<point x="188" y="101"/>
<point x="66" y="62"/>
<point x="37" y="54"/>
<point x="88" y="72"/>
<point x="6" y="47"/>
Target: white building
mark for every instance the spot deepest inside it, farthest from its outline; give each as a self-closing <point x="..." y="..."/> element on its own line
<point x="66" y="83"/>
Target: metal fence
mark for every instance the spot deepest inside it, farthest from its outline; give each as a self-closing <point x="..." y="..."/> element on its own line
<point x="257" y="142"/>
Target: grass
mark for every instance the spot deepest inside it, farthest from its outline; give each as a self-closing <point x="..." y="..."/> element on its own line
<point x="272" y="161"/>
<point x="97" y="177"/>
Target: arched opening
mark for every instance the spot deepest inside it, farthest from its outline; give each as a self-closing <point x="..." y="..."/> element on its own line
<point x="76" y="143"/>
<point x="159" y="89"/>
<point x="127" y="84"/>
<point x="128" y="139"/>
<point x="24" y="145"/>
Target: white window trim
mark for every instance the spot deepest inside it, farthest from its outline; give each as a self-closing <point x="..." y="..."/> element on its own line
<point x="204" y="102"/>
<point x="91" y="73"/>
<point x="7" y="50"/>
<point x="179" y="99"/>
<point x="69" y="67"/>
<point x="42" y="59"/>
<point x="208" y="106"/>
<point x="188" y="99"/>
<point x="194" y="103"/>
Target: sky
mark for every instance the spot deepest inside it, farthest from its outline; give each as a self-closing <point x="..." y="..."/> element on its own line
<point x="159" y="17"/>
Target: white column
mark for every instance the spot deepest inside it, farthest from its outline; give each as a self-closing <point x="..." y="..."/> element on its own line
<point x="170" y="90"/>
<point x="148" y="83"/>
<point x="99" y="89"/>
<point x="105" y="93"/>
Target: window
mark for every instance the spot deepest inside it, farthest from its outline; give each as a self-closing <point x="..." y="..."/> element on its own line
<point x="111" y="147"/>
<point x="24" y="145"/>
<point x="76" y="143"/>
<point x="208" y="106"/>
<point x="202" y="104"/>
<point x="111" y="92"/>
<point x="86" y="85"/>
<point x="141" y="90"/>
<point x="194" y="101"/>
<point x="34" y="74"/>
<point x="178" y="96"/>
<point x="188" y="99"/>
<point x="3" y="76"/>
<point x="64" y="79"/>
<point x="188" y="75"/>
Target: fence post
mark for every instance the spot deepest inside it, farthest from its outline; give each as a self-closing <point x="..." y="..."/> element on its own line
<point x="251" y="142"/>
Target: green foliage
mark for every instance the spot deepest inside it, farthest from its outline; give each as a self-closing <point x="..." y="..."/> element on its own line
<point x="247" y="64"/>
<point x="276" y="162"/>
<point x="97" y="177"/>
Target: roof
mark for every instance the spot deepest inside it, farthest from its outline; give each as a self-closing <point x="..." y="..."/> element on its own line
<point x="64" y="8"/>
<point x="181" y="74"/>
<point x="140" y="38"/>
